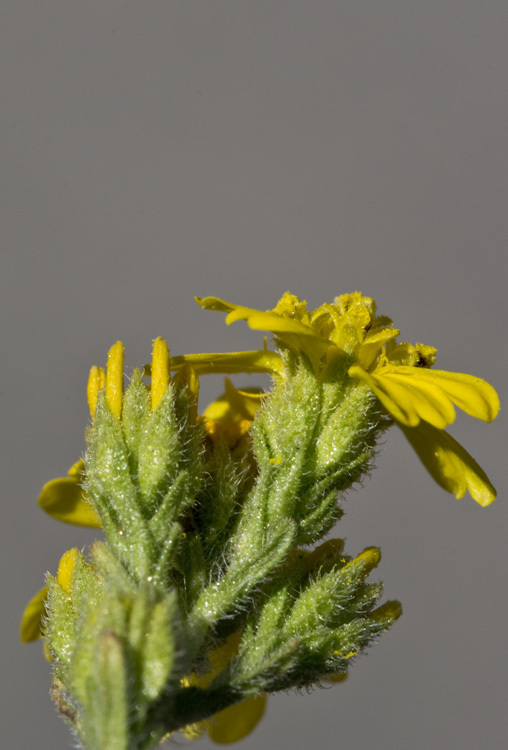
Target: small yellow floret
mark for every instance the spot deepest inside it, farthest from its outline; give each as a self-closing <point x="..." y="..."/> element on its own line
<point x="371" y="557"/>
<point x="96" y="382"/>
<point x="114" y="378"/>
<point x="65" y="568"/>
<point x="160" y="370"/>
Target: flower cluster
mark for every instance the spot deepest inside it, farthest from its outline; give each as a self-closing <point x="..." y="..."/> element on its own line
<point x="211" y="590"/>
<point x="419" y="399"/>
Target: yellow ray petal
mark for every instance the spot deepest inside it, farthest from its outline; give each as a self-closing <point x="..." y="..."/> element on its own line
<point x="65" y="500"/>
<point x="270" y="321"/>
<point x="236" y="722"/>
<point x="471" y="394"/>
<point x="31" y="622"/>
<point x="214" y="303"/>
<point x="114" y="378"/>
<point x="65" y="568"/>
<point x="450" y="464"/>
<point x="413" y="393"/>
<point x="292" y="332"/>
<point x="366" y="352"/>
<point x="280" y="325"/>
<point x="160" y="371"/>
<point x="395" y="397"/>
<point x="430" y="402"/>
<point x="230" y="362"/>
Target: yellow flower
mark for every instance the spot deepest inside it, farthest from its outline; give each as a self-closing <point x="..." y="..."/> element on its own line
<point x="420" y="400"/>
<point x="322" y="334"/>
<point x="235" y="722"/>
<point x="231" y="415"/>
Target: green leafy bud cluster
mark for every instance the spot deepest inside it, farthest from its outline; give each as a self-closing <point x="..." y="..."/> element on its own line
<point x="210" y="546"/>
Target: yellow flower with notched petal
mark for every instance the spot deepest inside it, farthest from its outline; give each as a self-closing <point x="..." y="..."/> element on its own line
<point x="420" y="400"/>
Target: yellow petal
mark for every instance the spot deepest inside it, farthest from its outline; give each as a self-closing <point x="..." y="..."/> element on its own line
<point x="450" y="464"/>
<point x="231" y="362"/>
<point x="214" y="303"/>
<point x="370" y="557"/>
<point x="64" y="500"/>
<point x="114" y="378"/>
<point x="430" y="402"/>
<point x="31" y="621"/>
<point x="271" y="321"/>
<point x="471" y="394"/>
<point x="289" y="330"/>
<point x="160" y="371"/>
<point x="366" y="352"/>
<point x="274" y="321"/>
<point x="236" y="722"/>
<point x="395" y="397"/>
<point x="65" y="568"/>
<point x="414" y="393"/>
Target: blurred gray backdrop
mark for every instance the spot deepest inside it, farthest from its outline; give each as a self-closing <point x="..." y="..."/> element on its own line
<point x="156" y="150"/>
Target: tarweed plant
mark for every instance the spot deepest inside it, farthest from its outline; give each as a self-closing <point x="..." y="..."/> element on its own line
<point x="212" y="587"/>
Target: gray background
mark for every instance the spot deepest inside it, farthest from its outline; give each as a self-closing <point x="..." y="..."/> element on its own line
<point x="156" y="150"/>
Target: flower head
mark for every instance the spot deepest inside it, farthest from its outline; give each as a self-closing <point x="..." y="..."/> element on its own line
<point x="420" y="400"/>
<point x="347" y="326"/>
